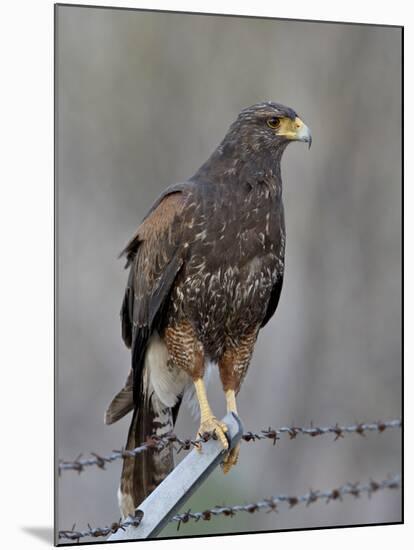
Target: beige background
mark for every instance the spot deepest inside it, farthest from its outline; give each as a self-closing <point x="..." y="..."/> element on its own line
<point x="142" y="99"/>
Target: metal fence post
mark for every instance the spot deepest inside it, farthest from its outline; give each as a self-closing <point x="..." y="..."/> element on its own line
<point x="166" y="500"/>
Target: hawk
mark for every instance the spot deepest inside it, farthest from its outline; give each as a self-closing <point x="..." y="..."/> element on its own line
<point x="205" y="275"/>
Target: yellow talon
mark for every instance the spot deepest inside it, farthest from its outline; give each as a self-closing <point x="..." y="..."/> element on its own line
<point x="231" y="459"/>
<point x="209" y="423"/>
<point x="232" y="456"/>
<point x="212" y="425"/>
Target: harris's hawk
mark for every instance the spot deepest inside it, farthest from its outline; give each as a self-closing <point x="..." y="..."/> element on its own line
<point x="205" y="274"/>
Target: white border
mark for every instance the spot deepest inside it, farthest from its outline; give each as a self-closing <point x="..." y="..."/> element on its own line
<point x="26" y="288"/>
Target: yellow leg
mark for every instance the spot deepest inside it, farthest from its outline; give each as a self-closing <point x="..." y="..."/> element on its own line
<point x="233" y="456"/>
<point x="231" y="401"/>
<point x="208" y="422"/>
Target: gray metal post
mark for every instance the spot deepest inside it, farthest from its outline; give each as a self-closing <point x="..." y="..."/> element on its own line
<point x="167" y="499"/>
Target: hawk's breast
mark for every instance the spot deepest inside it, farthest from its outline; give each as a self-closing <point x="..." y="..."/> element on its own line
<point x="235" y="256"/>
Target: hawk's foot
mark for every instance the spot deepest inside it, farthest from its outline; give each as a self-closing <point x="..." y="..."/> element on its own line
<point x="211" y="425"/>
<point x="231" y="459"/>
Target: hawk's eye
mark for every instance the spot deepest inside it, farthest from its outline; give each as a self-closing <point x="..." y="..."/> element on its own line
<point x="273" y="122"/>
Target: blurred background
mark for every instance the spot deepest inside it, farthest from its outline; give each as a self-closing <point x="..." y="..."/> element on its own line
<point x="142" y="100"/>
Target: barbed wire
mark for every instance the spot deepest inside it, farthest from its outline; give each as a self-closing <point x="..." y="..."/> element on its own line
<point x="158" y="443"/>
<point x="74" y="535"/>
<point x="269" y="504"/>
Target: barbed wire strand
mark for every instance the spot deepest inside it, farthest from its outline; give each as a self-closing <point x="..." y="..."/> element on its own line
<point x="101" y="531"/>
<point x="158" y="443"/>
<point x="269" y="504"/>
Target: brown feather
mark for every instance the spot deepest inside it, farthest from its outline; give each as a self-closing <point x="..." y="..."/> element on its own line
<point x="155" y="255"/>
<point x="121" y="404"/>
<point x="141" y="474"/>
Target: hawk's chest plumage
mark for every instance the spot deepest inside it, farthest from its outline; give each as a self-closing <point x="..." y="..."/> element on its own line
<point x="235" y="238"/>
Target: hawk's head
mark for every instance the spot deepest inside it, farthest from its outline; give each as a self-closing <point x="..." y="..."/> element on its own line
<point x="255" y="142"/>
<point x="267" y="126"/>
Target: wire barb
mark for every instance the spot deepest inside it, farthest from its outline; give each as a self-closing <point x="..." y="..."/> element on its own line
<point x="159" y="443"/>
<point x="271" y="504"/>
<point x="267" y="504"/>
<point x="102" y="531"/>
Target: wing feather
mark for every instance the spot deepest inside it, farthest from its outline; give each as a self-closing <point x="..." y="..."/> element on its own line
<point x="274" y="300"/>
<point x="154" y="255"/>
<point x="122" y="403"/>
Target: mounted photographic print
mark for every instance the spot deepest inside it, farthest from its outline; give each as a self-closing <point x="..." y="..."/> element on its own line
<point x="228" y="274"/>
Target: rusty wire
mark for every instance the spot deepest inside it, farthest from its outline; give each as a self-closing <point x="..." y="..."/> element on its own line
<point x="158" y="443"/>
<point x="74" y="535"/>
<point x="269" y="504"/>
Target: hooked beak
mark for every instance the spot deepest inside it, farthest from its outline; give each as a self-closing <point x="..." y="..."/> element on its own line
<point x="302" y="132"/>
<point x="295" y="130"/>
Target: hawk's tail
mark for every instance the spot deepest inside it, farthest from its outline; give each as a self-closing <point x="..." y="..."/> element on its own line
<point x="143" y="472"/>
